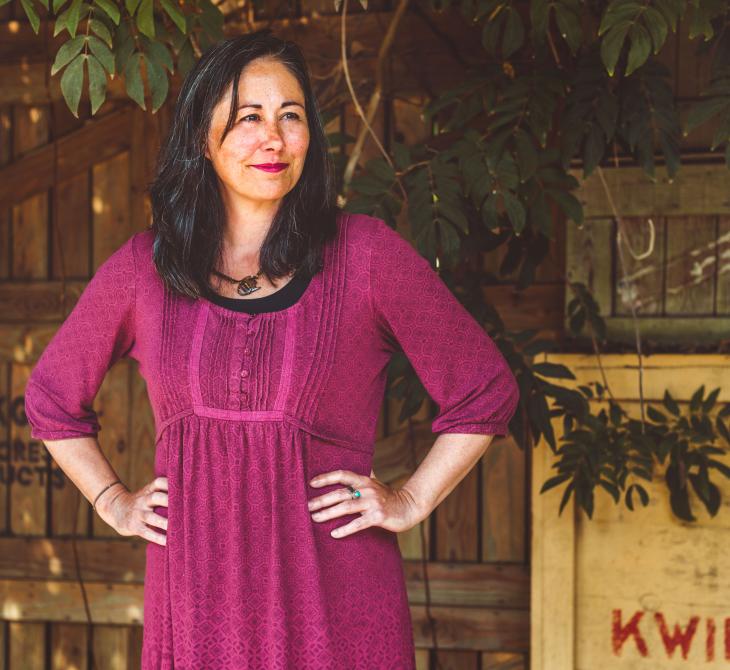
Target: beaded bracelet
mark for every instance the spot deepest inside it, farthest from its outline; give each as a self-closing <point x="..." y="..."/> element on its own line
<point x="116" y="481"/>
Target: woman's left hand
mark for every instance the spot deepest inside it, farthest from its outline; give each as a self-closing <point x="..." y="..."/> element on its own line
<point x="379" y="504"/>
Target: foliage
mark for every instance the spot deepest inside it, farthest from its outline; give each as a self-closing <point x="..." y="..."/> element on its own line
<point x="612" y="451"/>
<point x="565" y="81"/>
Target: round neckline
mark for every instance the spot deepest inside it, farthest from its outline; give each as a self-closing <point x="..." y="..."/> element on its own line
<point x="295" y="286"/>
<point x="223" y="309"/>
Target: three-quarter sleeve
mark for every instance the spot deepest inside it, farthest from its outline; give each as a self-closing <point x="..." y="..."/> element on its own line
<point x="459" y="365"/>
<point x="99" y="330"/>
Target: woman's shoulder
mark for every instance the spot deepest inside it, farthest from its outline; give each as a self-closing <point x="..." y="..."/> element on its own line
<point x="364" y="230"/>
<point x="142" y="242"/>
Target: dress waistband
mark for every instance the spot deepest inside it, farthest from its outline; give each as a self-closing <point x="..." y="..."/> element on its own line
<point x="261" y="415"/>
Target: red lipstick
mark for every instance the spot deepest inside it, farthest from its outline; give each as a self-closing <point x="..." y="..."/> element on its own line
<point x="271" y="167"/>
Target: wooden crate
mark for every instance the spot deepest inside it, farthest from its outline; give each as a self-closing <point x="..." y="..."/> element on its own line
<point x="631" y="590"/>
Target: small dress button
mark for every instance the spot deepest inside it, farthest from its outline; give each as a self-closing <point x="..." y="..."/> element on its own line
<point x="244" y="373"/>
<point x="247" y="350"/>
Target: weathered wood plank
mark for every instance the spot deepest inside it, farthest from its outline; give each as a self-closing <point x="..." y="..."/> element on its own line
<point x="587" y="261"/>
<point x="477" y="629"/>
<point x="68" y="643"/>
<point x="690" y="265"/>
<point x="723" y="265"/>
<point x="101" y="138"/>
<point x="539" y="306"/>
<point x="24" y="302"/>
<point x="25" y="643"/>
<point x="643" y="281"/>
<point x="504" y="491"/>
<point x="29" y="491"/>
<point x="456" y="519"/>
<point x="70" y="236"/>
<point x="696" y="189"/>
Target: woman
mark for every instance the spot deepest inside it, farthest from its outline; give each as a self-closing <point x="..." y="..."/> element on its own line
<point x="263" y="319"/>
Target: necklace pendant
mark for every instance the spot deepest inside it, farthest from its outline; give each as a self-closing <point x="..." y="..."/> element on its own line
<point x="247" y="285"/>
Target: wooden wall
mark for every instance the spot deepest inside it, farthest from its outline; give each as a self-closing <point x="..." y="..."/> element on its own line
<point x="70" y="193"/>
<point x="678" y="233"/>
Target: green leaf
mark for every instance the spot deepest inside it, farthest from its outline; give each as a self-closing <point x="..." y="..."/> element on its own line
<point x="133" y="79"/>
<point x="568" y="203"/>
<point x="611" y="45"/>
<point x="566" y="496"/>
<point x="102" y="31"/>
<point x="32" y="15"/>
<point x="381" y="170"/>
<point x="557" y="370"/>
<point x="657" y="27"/>
<point x="104" y="56"/>
<point x="453" y="213"/>
<point x="72" y="82"/>
<point x="178" y="18"/>
<point x="722" y="429"/>
<point x="527" y="159"/>
<point x="555" y="481"/>
<point x="619" y="11"/>
<point x="611" y="488"/>
<point x="642" y="494"/>
<point x="670" y="403"/>
<point x="570" y="27"/>
<point x="67" y="52"/>
<point x="515" y="211"/>
<point x="211" y="20"/>
<point x="513" y="35"/>
<point x="158" y="83"/>
<point x="709" y="402"/>
<point x="97" y="83"/>
<point x="640" y="48"/>
<point x="145" y="21"/>
<point x="111" y="10"/>
<point x="696" y="400"/>
<point x="158" y="52"/>
<point x="704" y="110"/>
<point x="656" y="415"/>
<point x="719" y="465"/>
<point x="74" y="14"/>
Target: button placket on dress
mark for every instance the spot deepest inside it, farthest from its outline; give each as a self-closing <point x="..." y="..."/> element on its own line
<point x="244" y="369"/>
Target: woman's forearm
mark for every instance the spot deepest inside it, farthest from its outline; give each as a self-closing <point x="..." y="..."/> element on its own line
<point x="85" y="464"/>
<point x="448" y="461"/>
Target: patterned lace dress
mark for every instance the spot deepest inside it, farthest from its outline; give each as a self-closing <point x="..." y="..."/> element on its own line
<point x="248" y="407"/>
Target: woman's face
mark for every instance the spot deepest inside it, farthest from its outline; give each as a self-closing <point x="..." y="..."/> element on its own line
<point x="270" y="127"/>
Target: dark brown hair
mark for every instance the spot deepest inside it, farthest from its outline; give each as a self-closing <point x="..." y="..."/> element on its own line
<point x="188" y="214"/>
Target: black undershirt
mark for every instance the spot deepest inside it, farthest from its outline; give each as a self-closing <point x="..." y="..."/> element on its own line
<point x="284" y="297"/>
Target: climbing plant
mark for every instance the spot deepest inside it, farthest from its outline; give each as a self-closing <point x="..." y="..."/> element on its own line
<point x="555" y="81"/>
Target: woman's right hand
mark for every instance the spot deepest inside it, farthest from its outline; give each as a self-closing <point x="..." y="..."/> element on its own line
<point x="131" y="513"/>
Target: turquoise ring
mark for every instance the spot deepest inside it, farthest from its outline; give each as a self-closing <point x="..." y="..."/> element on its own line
<point x="355" y="492"/>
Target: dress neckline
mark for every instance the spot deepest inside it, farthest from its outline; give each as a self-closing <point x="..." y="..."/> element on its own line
<point x="285" y="297"/>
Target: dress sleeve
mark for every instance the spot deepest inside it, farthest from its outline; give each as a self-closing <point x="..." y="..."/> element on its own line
<point x="459" y="365"/>
<point x="99" y="330"/>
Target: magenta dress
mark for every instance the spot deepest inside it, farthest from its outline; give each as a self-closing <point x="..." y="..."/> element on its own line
<point x="248" y="408"/>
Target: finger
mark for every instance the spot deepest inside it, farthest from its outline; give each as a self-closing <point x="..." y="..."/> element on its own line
<point x="159" y="483"/>
<point x="339" y="477"/>
<point x="153" y="536"/>
<point x="154" y="519"/>
<point x="157" y="499"/>
<point x="346" y="507"/>
<point x="352" y="527"/>
<point x="330" y="498"/>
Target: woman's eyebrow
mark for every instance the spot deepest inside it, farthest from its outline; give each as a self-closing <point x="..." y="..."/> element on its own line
<point x="288" y="103"/>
